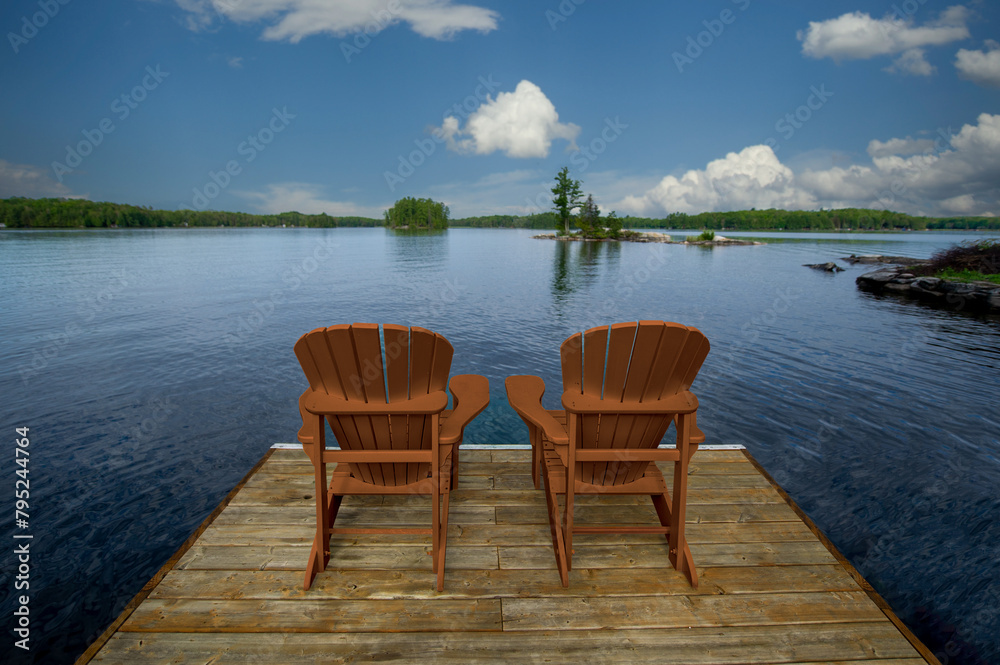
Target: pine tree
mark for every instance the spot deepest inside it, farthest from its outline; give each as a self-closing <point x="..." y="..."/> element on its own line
<point x="567" y="197"/>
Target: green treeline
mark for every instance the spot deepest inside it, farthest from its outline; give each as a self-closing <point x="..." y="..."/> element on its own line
<point x="414" y="213"/>
<point x="21" y="213"/>
<point x="545" y="220"/>
<point x="845" y="219"/>
<point x="855" y="219"/>
<point x="976" y="223"/>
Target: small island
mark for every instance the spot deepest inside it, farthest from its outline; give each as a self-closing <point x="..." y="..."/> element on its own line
<point x="568" y="197"/>
<point x="706" y="239"/>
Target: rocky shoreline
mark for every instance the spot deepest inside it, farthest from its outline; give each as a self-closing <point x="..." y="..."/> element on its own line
<point x="718" y="241"/>
<point x="972" y="297"/>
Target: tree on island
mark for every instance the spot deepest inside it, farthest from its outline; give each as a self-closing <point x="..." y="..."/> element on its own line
<point x="567" y="197"/>
<point x="591" y="224"/>
<point x="415" y="213"/>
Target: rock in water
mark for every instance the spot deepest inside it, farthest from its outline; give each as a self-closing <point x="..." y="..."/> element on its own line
<point x="829" y="266"/>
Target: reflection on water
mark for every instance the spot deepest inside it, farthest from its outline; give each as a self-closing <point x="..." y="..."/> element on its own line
<point x="170" y="353"/>
<point x="577" y="264"/>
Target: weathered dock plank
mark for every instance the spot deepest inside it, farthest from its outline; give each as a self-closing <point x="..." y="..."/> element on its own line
<point x="771" y="588"/>
<point x="830" y="643"/>
<point x="395" y="584"/>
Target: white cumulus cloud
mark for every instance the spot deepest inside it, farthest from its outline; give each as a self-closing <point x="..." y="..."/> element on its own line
<point x="911" y="62"/>
<point x="955" y="174"/>
<point x="522" y="123"/>
<point x="858" y="36"/>
<point x="980" y="67"/>
<point x="294" y="20"/>
<point x="751" y="178"/>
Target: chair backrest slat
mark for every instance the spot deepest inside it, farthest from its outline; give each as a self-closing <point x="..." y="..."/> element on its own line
<point x="368" y="355"/>
<point x="616" y="367"/>
<point x="571" y="356"/>
<point x="307" y="359"/>
<point x="397" y="371"/>
<point x="641" y="365"/>
<point x="397" y="361"/>
<point x="595" y="348"/>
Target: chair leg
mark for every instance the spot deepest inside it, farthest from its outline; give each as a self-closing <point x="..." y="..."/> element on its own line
<point x="443" y="542"/>
<point x="568" y="526"/>
<point x="684" y="564"/>
<point x="319" y="555"/>
<point x="537" y="455"/>
<point x="435" y="526"/>
<point x="558" y="544"/>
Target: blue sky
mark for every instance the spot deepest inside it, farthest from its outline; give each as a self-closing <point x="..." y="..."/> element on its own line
<point x="345" y="106"/>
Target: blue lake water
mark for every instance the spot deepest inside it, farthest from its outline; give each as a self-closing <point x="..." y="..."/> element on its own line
<point x="155" y="367"/>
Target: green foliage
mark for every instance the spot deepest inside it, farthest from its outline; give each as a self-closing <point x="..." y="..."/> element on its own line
<point x="845" y="219"/>
<point x="973" y="223"/>
<point x="613" y="225"/>
<point x="545" y="220"/>
<point x="566" y="197"/>
<point x="704" y="237"/>
<point x="415" y="213"/>
<point x="588" y="220"/>
<point x="952" y="275"/>
<point x="593" y="226"/>
<point x="23" y="213"/>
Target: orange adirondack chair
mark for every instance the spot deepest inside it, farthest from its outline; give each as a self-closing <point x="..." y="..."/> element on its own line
<point x="623" y="387"/>
<point x="389" y="418"/>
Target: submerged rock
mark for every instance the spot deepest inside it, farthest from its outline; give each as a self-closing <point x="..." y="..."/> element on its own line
<point x="829" y="266"/>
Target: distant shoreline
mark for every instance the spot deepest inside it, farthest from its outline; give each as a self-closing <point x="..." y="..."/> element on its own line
<point x="51" y="214"/>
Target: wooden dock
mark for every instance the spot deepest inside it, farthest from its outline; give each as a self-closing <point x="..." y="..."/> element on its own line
<point x="772" y="589"/>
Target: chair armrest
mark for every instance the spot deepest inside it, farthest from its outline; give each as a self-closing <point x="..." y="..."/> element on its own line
<point x="683" y="402"/>
<point x="307" y="433"/>
<point x="321" y="403"/>
<point x="524" y="393"/>
<point x="472" y="395"/>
